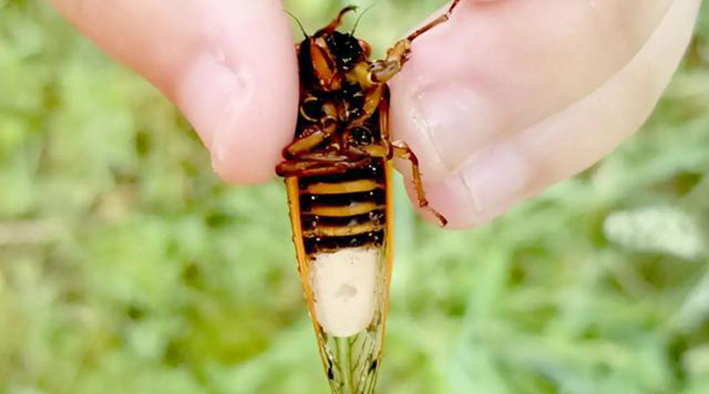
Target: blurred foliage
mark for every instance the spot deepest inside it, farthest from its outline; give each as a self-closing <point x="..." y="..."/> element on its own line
<point x="126" y="266"/>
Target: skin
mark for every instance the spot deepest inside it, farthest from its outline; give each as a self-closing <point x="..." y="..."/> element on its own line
<point x="503" y="101"/>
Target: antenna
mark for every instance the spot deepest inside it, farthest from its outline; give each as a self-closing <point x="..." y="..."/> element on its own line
<point x="354" y="29"/>
<point x="302" y="29"/>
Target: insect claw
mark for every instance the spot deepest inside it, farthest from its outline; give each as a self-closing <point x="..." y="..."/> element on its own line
<point x="338" y="20"/>
<point x="442" y="19"/>
<point x="349" y="8"/>
<point x="441" y="218"/>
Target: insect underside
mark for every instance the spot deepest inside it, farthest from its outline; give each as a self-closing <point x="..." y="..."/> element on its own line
<point x="338" y="176"/>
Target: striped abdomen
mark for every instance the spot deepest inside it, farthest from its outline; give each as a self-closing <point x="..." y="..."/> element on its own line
<point x="345" y="210"/>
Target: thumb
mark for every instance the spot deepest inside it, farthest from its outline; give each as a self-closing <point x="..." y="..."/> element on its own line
<point x="229" y="65"/>
<point x="510" y="97"/>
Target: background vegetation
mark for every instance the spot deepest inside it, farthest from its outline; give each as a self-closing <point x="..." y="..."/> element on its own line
<point x="126" y="266"/>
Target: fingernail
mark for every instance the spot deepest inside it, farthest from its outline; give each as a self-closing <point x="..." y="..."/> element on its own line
<point x="211" y="94"/>
<point x="495" y="178"/>
<point x="458" y="121"/>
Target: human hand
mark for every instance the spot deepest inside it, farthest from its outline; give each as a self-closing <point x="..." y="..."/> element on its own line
<point x="511" y="97"/>
<point x="503" y="101"/>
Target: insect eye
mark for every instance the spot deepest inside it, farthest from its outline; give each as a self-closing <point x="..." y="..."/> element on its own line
<point x="366" y="48"/>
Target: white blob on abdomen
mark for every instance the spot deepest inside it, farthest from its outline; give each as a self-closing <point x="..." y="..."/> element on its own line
<point x="344" y="284"/>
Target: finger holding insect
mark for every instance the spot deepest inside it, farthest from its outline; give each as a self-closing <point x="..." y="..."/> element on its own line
<point x="498" y="105"/>
<point x="202" y="55"/>
<point x="314" y="135"/>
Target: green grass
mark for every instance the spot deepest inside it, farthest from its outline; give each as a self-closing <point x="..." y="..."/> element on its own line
<point x="126" y="266"/>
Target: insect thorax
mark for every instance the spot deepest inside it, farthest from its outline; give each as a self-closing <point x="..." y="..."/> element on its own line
<point x="345" y="109"/>
<point x="335" y="91"/>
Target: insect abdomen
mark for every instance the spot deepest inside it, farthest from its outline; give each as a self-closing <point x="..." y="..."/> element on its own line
<point x="342" y="228"/>
<point x="344" y="210"/>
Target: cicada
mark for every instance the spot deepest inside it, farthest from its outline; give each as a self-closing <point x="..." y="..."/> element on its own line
<point x="338" y="174"/>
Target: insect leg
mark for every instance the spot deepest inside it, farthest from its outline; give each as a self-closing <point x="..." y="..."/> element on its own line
<point x="378" y="150"/>
<point x="298" y="167"/>
<point x="377" y="100"/>
<point x="372" y="102"/>
<point x="384" y="70"/>
<point x="441" y="19"/>
<point x="384" y="115"/>
<point x="313" y="134"/>
<point x="339" y="168"/>
<point x="402" y="151"/>
<point x="311" y="168"/>
<point x="338" y="20"/>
